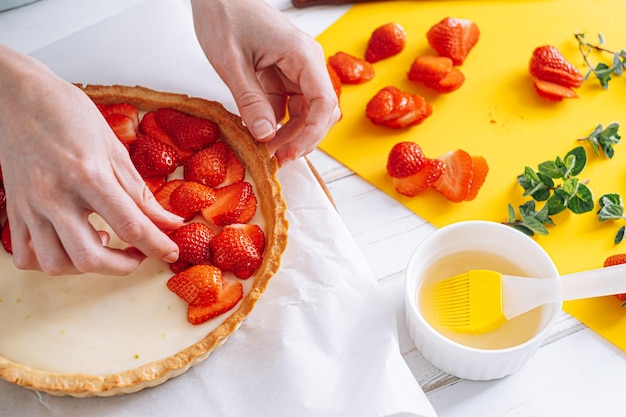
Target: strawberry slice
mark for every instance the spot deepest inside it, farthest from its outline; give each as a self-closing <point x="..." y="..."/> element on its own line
<point x="553" y="92"/>
<point x="421" y="111"/>
<point x="451" y="82"/>
<point x="232" y="205"/>
<point x="612" y="260"/>
<point x="453" y="38"/>
<point x="404" y="159"/>
<point x="454" y="181"/>
<point x="232" y="250"/>
<point x="335" y="80"/>
<point x="548" y="64"/>
<point x="149" y="126"/>
<point x="5" y="236"/>
<point x="232" y="293"/>
<point x="350" y="69"/>
<point x="193" y="242"/>
<point x="235" y="171"/>
<point x="188" y="132"/>
<point x="430" y="68"/>
<point x="198" y="284"/>
<point x="190" y="197"/>
<point x="386" y="41"/>
<point x="397" y="109"/>
<point x="254" y="231"/>
<point x="124" y="109"/>
<point x="422" y="180"/>
<point x="153" y="157"/>
<point x="155" y="183"/>
<point x="123" y="127"/>
<point x="3" y="201"/>
<point x="163" y="194"/>
<point x="480" y="169"/>
<point x="208" y="166"/>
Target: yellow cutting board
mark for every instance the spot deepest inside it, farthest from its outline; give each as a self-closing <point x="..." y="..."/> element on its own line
<point x="498" y="115"/>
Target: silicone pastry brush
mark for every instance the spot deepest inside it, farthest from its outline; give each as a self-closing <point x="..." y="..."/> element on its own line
<point x="481" y="300"/>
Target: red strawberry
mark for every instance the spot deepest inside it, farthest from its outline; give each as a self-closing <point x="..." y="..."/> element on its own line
<point x="153" y="157"/>
<point x="397" y="109"/>
<point x="179" y="266"/>
<point x="405" y="159"/>
<point x="3" y="201"/>
<point x="430" y="68"/>
<point x="232" y="293"/>
<point x="617" y="259"/>
<point x="451" y="82"/>
<point x="188" y="132"/>
<point x="123" y="127"/>
<point x="124" y="109"/>
<point x="456" y="177"/>
<point x="191" y="197"/>
<point x="232" y="250"/>
<point x="163" y="194"/>
<point x="233" y="205"/>
<point x="254" y="231"/>
<point x="149" y="126"/>
<point x="548" y="64"/>
<point x="387" y="40"/>
<point x="5" y="236"/>
<point x="197" y="285"/>
<point x="235" y="171"/>
<point x="480" y="169"/>
<point x="335" y="80"/>
<point x="454" y="38"/>
<point x="193" y="242"/>
<point x="421" y="111"/>
<point x="209" y="165"/>
<point x="552" y="91"/>
<point x="155" y="183"/>
<point x="350" y="69"/>
<point x="422" y="180"/>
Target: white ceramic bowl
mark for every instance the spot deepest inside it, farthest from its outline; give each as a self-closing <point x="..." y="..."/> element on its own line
<point x="468" y="245"/>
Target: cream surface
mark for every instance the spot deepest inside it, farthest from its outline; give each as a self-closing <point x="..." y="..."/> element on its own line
<point x="95" y="324"/>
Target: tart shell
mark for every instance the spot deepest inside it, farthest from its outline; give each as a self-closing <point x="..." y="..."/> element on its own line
<point x="263" y="169"/>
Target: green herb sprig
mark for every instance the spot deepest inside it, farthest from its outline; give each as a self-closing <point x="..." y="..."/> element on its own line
<point x="612" y="208"/>
<point x="603" y="139"/>
<point x="557" y="183"/>
<point x="601" y="71"/>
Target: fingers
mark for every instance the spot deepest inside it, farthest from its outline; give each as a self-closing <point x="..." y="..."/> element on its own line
<point x="39" y="247"/>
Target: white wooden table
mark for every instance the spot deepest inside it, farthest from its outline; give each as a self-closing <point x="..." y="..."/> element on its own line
<point x="575" y="373"/>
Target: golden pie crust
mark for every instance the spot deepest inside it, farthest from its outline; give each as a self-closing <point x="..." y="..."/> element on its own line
<point x="262" y="169"/>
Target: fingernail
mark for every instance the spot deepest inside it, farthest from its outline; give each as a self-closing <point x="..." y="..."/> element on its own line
<point x="170" y="257"/>
<point x="262" y="128"/>
<point x="174" y="217"/>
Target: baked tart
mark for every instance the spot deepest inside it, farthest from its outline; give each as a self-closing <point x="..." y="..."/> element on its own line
<point x="91" y="335"/>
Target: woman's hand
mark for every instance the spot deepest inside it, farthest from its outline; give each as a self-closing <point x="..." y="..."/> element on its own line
<point x="272" y="68"/>
<point x="61" y="162"/>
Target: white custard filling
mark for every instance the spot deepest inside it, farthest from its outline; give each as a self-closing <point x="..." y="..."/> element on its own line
<point x="95" y="324"/>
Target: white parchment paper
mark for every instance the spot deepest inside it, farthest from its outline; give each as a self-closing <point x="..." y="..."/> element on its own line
<point x="320" y="342"/>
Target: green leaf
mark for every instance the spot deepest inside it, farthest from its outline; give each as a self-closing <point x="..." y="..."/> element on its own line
<point x="582" y="201"/>
<point x="620" y="235"/>
<point x="557" y="203"/>
<point x="550" y="169"/>
<point x="579" y="162"/>
<point x="611" y="207"/>
<point x="603" y="74"/>
<point x="511" y="214"/>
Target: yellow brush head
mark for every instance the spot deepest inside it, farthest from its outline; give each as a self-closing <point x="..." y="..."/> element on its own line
<point x="470" y="302"/>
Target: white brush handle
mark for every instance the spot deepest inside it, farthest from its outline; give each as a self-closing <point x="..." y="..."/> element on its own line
<point x="594" y="283"/>
<point x="522" y="294"/>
